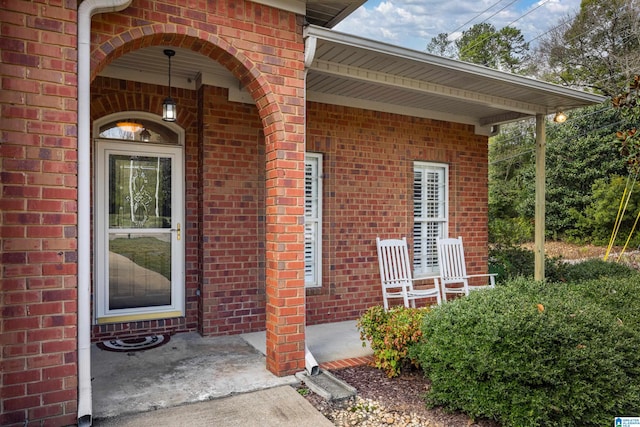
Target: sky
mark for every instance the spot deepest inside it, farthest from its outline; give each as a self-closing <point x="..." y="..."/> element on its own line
<point x="412" y="23"/>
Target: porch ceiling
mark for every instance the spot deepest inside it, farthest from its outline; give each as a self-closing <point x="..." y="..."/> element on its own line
<point x="353" y="71"/>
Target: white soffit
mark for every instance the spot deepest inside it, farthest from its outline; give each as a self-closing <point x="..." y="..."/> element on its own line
<point x="405" y="81"/>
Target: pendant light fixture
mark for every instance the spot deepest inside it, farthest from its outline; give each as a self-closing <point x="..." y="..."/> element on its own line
<point x="129" y="126"/>
<point x="560" y="117"/>
<point x="169" y="112"/>
<point x="145" y="135"/>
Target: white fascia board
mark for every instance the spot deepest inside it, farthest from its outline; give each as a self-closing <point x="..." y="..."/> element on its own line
<point x="452" y="64"/>
<point x="295" y="6"/>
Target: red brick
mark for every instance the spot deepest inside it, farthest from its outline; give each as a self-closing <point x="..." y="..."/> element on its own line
<point x="15" y="418"/>
<point x="59" y="371"/>
<point x="58" y="320"/>
<point x="58" y="396"/>
<point x="21" y="323"/>
<point x="44" y="231"/>
<point x="22" y="377"/>
<point x="45" y="334"/>
<point x="44" y="360"/>
<point x="16" y="390"/>
<point x="21" y="244"/>
<point x="59" y="346"/>
<point x="22" y="297"/>
<point x="47" y="411"/>
<point x="59" y="193"/>
<point x="62" y="269"/>
<point x="21" y="403"/>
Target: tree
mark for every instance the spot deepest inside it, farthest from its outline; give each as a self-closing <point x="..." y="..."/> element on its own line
<point x="503" y="50"/>
<point x="482" y="44"/>
<point x="599" y="48"/>
<point x="442" y="46"/>
<point x="511" y="162"/>
<point x="579" y="153"/>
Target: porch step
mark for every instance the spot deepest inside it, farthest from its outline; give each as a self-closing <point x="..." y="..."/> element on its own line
<point x="326" y="385"/>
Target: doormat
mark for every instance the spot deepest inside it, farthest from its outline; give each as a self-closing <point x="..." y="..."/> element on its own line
<point x="134" y="344"/>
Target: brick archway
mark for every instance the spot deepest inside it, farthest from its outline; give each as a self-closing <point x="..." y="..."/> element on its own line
<point x="280" y="107"/>
<point x="215" y="48"/>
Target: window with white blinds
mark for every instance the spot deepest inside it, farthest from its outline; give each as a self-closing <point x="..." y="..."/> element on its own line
<point x="430" y="212"/>
<point x="313" y="220"/>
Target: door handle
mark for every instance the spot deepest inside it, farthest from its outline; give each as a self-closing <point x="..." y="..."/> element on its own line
<point x="177" y="230"/>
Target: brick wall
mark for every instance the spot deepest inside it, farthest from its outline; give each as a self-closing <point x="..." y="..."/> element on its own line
<point x="232" y="216"/>
<point x="368" y="176"/>
<point x="368" y="173"/>
<point x="38" y="212"/>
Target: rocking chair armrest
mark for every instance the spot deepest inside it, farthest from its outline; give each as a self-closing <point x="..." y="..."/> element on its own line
<point x="491" y="276"/>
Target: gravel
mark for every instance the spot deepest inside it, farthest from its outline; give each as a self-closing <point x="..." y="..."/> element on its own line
<point x="383" y="401"/>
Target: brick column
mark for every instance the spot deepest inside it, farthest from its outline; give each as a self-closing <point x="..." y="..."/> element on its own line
<point x="38" y="213"/>
<point x="285" y="258"/>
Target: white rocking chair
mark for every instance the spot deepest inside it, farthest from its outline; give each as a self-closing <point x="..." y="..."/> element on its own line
<point x="395" y="274"/>
<point x="453" y="269"/>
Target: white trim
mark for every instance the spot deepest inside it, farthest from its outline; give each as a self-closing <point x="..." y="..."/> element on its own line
<point x="295" y="6"/>
<point x="442" y="220"/>
<point x="104" y="148"/>
<point x="141" y="115"/>
<point x="317" y="223"/>
<point x="179" y="186"/>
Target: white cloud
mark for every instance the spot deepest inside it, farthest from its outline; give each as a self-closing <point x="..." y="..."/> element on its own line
<point x="412" y="24"/>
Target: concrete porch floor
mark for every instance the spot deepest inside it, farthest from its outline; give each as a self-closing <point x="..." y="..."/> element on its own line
<point x="190" y="368"/>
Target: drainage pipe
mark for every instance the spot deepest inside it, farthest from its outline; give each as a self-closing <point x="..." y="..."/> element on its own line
<point x="310" y="363"/>
<point x="86" y="10"/>
<point x="310" y="45"/>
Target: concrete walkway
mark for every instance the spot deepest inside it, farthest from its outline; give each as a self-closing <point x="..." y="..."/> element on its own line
<point x="190" y="369"/>
<point x="280" y="406"/>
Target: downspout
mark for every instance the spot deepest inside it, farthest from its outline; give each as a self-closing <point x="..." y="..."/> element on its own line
<point x="86" y="10"/>
<point x="310" y="43"/>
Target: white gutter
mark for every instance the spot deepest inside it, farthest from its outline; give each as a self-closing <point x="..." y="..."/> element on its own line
<point x="86" y="10"/>
<point x="310" y="43"/>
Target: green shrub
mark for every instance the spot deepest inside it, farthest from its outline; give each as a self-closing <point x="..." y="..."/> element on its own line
<point x="530" y="354"/>
<point x="510" y="231"/>
<point x="511" y="262"/>
<point x="390" y="335"/>
<point x="594" y="269"/>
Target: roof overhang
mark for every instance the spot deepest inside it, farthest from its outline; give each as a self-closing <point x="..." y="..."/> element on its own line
<point x="352" y="71"/>
<point x="348" y="70"/>
<point x="325" y="14"/>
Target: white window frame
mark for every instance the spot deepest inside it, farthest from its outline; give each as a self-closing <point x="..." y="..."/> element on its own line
<point x="313" y="220"/>
<point x="431" y="215"/>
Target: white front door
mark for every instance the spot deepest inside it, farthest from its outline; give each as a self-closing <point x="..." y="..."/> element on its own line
<point x="139" y="231"/>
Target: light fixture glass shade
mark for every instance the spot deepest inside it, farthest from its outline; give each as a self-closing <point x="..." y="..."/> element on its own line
<point x="560" y="117"/>
<point x="169" y="111"/>
<point x="129" y="126"/>
<point x="145" y="135"/>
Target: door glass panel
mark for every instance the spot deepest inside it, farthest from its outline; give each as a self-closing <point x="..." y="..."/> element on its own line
<point x="139" y="270"/>
<point x="139" y="192"/>
<point x="139" y="208"/>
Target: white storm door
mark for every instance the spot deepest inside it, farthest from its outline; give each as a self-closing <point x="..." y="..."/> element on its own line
<point x="139" y="232"/>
